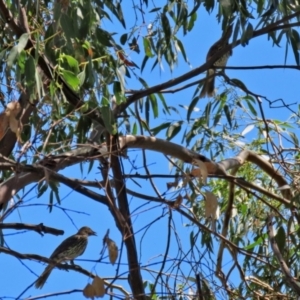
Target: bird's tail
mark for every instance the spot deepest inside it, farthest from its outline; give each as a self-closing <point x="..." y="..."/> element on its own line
<point x="208" y="88"/>
<point x="44" y="276"/>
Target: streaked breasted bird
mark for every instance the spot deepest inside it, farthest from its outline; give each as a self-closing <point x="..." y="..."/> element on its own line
<point x="209" y="84"/>
<point x="69" y="249"/>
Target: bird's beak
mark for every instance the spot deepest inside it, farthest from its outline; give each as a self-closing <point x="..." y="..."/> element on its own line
<point x="93" y="233"/>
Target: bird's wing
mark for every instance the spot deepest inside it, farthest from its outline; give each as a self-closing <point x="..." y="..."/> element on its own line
<point x="70" y="248"/>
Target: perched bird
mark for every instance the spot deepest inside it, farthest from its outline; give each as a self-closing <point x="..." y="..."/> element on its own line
<point x="69" y="249"/>
<point x="209" y="84"/>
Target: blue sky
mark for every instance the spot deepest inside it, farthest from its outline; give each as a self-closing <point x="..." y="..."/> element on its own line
<point x="76" y="210"/>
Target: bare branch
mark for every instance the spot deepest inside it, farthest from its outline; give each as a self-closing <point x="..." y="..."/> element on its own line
<point x="284" y="267"/>
<point x="12" y="185"/>
<point x="64" y="266"/>
<point x="40" y="228"/>
<point x="135" y="277"/>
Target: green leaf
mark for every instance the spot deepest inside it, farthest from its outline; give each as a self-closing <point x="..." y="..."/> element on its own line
<point x="147" y="110"/>
<point x="119" y="13"/>
<point x="147" y="47"/>
<point x="81" y="77"/>
<point x="154" y="105"/>
<point x="30" y="71"/>
<point x="72" y="62"/>
<point x="155" y="9"/>
<point x="144" y="62"/>
<point x="71" y="79"/>
<point x="206" y="240"/>
<point x="42" y="187"/>
<point x="217" y="118"/>
<point x="173" y="130"/>
<point x="251" y="107"/>
<point x="2" y="54"/>
<point x="163" y="101"/>
<point x="239" y="84"/>
<point x="50" y="205"/>
<point x="209" y="5"/>
<point x="21" y="62"/>
<point x="118" y="92"/>
<point x="83" y="126"/>
<point x="116" y="10"/>
<point x="295" y="41"/>
<point x="123" y="38"/>
<point x="192" y="239"/>
<point x="166" y="28"/>
<point x="227" y="114"/>
<point x="67" y="26"/>
<point x="192" y="106"/>
<point x="280" y="239"/>
<point x="159" y="128"/>
<point x="54" y="187"/>
<point x="91" y="164"/>
<point x="143" y="82"/>
<point x="39" y="85"/>
<point x="207" y="113"/>
<point x="1" y="238"/>
<point x="134" y="129"/>
<point x="259" y="241"/>
<point x="192" y="20"/>
<point x="182" y="50"/>
<point x="247" y="35"/>
<point x="108" y="117"/>
<point x="13" y="54"/>
<point x="104" y="37"/>
<point x="22" y="42"/>
<point x="294" y="139"/>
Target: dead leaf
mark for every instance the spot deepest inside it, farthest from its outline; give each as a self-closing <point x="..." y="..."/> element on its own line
<point x="186" y="180"/>
<point x="211" y="206"/>
<point x="112" y="250"/>
<point x="98" y="285"/>
<point x="187" y="197"/>
<point x="203" y="170"/>
<point x="89" y="291"/>
<point x="178" y="201"/>
<point x="125" y="60"/>
<point x="171" y="185"/>
<point x="196" y="172"/>
<point x="12" y="110"/>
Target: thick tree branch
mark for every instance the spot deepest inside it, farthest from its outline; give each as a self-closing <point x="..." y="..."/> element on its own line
<point x="135" y="277"/>
<point x="263" y="164"/>
<point x="12" y="185"/>
<point x="55" y="163"/>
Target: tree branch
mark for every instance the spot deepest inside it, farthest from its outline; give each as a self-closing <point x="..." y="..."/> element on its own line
<point x="40" y="228"/>
<point x="284" y="267"/>
<point x="168" y="84"/>
<point x="64" y="266"/>
<point x="12" y="185"/>
<point x="135" y="277"/>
